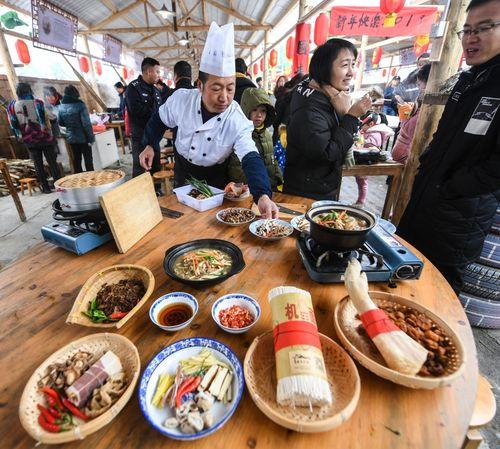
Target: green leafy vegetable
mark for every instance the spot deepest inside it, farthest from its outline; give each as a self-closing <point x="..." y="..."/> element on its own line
<point x="96" y="315"/>
<point x="202" y="186"/>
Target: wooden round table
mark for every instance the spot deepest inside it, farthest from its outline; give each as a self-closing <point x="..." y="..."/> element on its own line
<point x="38" y="291"/>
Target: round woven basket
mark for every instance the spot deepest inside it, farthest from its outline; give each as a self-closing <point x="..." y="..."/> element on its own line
<point x="346" y="324"/>
<point x="97" y="344"/>
<point x="110" y="275"/>
<point x="343" y="377"/>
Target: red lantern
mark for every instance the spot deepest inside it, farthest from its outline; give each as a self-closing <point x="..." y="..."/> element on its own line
<point x="376" y="57"/>
<point x="23" y="52"/>
<point x="131" y="73"/>
<point x="98" y="67"/>
<point x="290" y="47"/>
<point x="390" y="8"/>
<point x="169" y="83"/>
<point x="273" y="58"/>
<point x="84" y="64"/>
<point x="394" y="71"/>
<point x="384" y="72"/>
<point x="321" y="26"/>
<point x="125" y="73"/>
<point x="421" y="44"/>
<point x="261" y="65"/>
<point x="301" y="53"/>
<point x="255" y="69"/>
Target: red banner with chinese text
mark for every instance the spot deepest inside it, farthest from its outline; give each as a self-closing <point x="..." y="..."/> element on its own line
<point x="359" y="21"/>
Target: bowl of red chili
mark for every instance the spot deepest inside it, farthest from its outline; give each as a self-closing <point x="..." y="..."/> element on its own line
<point x="173" y="311"/>
<point x="235" y="313"/>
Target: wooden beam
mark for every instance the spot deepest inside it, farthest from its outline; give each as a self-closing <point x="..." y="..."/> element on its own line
<point x="180" y="47"/>
<point x="116" y="15"/>
<point x="188" y="15"/>
<point x="129" y="30"/>
<point x="233" y="12"/>
<point x="7" y="62"/>
<point x="430" y="114"/>
<point x="144" y="39"/>
<point x="204" y="11"/>
<point x="146" y="16"/>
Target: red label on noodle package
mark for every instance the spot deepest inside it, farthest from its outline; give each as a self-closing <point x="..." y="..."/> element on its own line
<point x="295" y="333"/>
<point x="377" y="322"/>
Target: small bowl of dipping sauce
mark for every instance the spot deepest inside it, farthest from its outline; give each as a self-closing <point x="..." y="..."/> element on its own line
<point x="173" y="311"/>
<point x="235" y="313"/>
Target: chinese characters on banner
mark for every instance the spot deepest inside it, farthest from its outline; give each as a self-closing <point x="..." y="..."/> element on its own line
<point x="359" y="21"/>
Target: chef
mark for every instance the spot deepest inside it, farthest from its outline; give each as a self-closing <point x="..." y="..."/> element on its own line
<point x="211" y="126"/>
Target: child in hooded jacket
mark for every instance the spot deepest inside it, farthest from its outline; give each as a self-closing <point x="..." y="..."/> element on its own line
<point x="257" y="106"/>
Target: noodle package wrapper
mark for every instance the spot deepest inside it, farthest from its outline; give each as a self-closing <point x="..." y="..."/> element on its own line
<point x="300" y="367"/>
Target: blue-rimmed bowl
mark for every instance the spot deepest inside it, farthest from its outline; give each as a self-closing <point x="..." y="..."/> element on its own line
<point x="166" y="361"/>
<point x="236" y="299"/>
<point x="173" y="298"/>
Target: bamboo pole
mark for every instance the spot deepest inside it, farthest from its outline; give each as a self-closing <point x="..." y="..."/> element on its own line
<point x="9" y="66"/>
<point x="430" y="114"/>
<point x="93" y="78"/>
<point x="94" y="95"/>
<point x="362" y="55"/>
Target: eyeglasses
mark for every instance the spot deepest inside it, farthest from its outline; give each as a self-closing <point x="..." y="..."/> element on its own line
<point x="479" y="30"/>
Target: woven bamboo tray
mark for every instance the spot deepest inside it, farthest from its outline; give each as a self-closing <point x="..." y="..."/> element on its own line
<point x="343" y="377"/>
<point x="364" y="352"/>
<point x="97" y="344"/>
<point x="109" y="275"/>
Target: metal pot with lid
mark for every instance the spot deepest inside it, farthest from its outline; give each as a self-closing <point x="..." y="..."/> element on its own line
<point x="341" y="240"/>
<point x="81" y="191"/>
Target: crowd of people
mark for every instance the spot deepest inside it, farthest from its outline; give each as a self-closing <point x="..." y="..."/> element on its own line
<point x="298" y="137"/>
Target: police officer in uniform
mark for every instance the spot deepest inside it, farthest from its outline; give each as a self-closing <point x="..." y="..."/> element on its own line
<point x="211" y="126"/>
<point x="143" y="100"/>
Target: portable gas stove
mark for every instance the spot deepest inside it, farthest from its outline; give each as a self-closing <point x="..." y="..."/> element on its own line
<point x="83" y="231"/>
<point x="382" y="258"/>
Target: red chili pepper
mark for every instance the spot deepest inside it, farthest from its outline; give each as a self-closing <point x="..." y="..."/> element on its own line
<point x="46" y="414"/>
<point x="54" y="428"/>
<point x="54" y="412"/>
<point x="117" y="315"/>
<point x="54" y="394"/>
<point x="186" y="387"/>
<point x="74" y="410"/>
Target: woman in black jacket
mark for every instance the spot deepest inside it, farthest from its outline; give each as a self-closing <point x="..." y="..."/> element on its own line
<point x="322" y="122"/>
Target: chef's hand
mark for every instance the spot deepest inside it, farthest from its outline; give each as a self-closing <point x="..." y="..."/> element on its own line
<point x="267" y="208"/>
<point x="146" y="157"/>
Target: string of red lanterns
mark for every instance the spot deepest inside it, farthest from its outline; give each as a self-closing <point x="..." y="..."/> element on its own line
<point x="391" y="8"/>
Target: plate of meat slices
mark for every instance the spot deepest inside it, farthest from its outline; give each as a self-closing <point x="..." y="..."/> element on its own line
<point x="236" y="191"/>
<point x="235" y="216"/>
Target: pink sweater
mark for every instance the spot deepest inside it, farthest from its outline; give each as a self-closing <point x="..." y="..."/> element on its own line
<point x="401" y="149"/>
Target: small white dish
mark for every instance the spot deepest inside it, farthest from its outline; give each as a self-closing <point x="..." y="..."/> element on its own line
<point x="254" y="225"/>
<point x="220" y="213"/>
<point x="173" y="298"/>
<point x="236" y="299"/>
<point x="295" y="223"/>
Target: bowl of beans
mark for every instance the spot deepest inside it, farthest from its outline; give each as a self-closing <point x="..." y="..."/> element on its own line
<point x="235" y="313"/>
<point x="235" y="216"/>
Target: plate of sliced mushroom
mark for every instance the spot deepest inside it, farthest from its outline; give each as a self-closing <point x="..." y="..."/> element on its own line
<point x="191" y="388"/>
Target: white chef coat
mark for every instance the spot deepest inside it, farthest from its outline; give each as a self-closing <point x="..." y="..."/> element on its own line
<point x="212" y="142"/>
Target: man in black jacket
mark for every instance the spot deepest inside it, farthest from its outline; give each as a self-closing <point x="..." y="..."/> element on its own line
<point x="142" y="100"/>
<point x="457" y="189"/>
<point x="182" y="75"/>
<point x="242" y="82"/>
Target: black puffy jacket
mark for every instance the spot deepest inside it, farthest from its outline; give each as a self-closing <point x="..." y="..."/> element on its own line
<point x="457" y="189"/>
<point x="242" y="83"/>
<point x="318" y="141"/>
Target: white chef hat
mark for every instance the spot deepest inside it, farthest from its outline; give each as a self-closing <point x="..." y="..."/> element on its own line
<point x="218" y="54"/>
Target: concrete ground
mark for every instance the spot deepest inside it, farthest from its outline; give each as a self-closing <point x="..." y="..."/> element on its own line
<point x="16" y="237"/>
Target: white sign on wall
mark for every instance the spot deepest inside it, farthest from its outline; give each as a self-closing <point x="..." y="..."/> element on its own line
<point x="53" y="28"/>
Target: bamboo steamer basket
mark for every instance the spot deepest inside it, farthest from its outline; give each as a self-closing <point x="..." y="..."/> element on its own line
<point x="97" y="344"/>
<point x="110" y="275"/>
<point x="367" y="355"/>
<point x="343" y="378"/>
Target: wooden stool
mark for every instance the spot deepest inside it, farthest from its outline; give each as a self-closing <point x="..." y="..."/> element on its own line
<point x="163" y="163"/>
<point x="31" y="183"/>
<point x="484" y="411"/>
<point x="165" y="177"/>
<point x="168" y="153"/>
